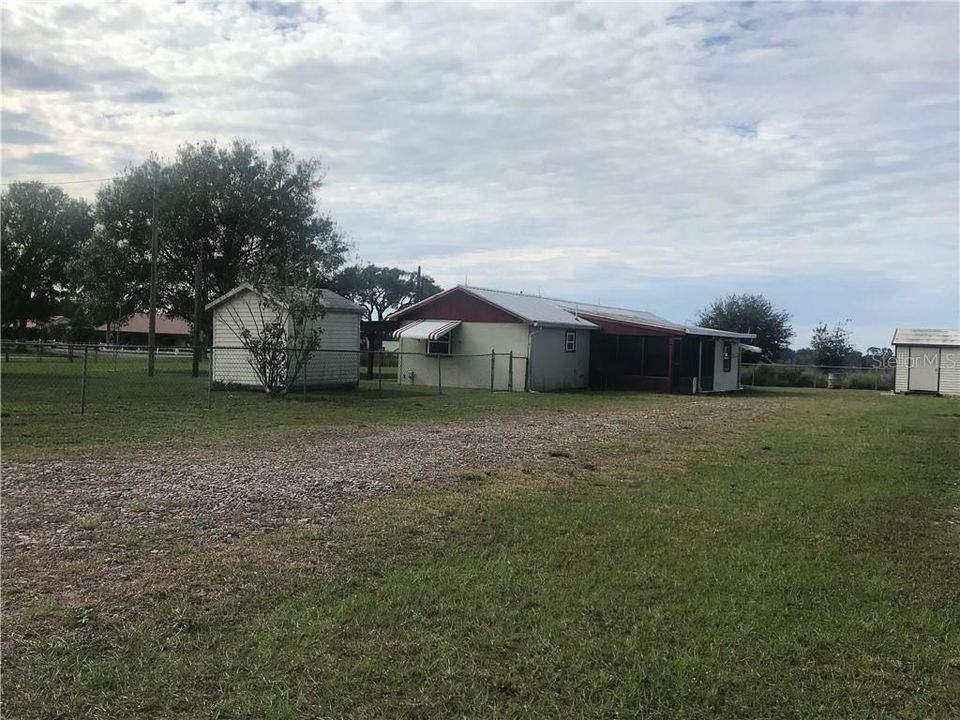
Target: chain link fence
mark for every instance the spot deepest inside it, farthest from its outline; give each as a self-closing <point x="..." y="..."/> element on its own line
<point x="45" y="378"/>
<point x="817" y="376"/>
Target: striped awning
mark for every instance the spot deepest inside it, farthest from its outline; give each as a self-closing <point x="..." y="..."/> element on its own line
<point x="426" y="329"/>
<point x="750" y="348"/>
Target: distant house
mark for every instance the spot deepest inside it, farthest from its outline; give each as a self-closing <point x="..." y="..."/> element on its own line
<point x="135" y="330"/>
<point x="558" y="344"/>
<point x="337" y="364"/>
<point x="927" y="361"/>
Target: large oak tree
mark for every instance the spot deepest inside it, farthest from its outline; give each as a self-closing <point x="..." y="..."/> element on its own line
<point x="232" y="208"/>
<point x="42" y="230"/>
<point x="381" y="290"/>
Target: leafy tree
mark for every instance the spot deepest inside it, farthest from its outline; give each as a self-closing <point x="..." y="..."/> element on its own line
<point x="231" y="208"/>
<point x="878" y="357"/>
<point x="110" y="285"/>
<point x="751" y="314"/>
<point x="831" y="346"/>
<point x="381" y="290"/>
<point x="801" y="356"/>
<point x="42" y="231"/>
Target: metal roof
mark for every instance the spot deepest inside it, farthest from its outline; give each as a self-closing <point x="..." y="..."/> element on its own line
<point x="634" y="317"/>
<point x="330" y="299"/>
<point x="531" y="308"/>
<point x="539" y="310"/>
<point x="920" y="336"/>
<point x="140" y="323"/>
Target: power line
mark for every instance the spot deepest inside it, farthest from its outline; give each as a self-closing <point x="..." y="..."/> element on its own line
<point x="65" y="182"/>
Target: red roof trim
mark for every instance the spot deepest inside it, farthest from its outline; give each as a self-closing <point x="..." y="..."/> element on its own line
<point x="625" y="327"/>
<point x="423" y="304"/>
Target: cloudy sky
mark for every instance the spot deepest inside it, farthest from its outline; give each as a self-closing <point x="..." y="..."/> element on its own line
<point x="650" y="156"/>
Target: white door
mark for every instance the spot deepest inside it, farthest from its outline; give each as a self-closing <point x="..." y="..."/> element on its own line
<point x="924" y="369"/>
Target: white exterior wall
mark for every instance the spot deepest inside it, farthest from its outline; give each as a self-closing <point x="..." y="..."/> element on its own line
<point x="949" y="364"/>
<point x="229" y="358"/>
<point x="551" y="367"/>
<point x="902" y="372"/>
<point x="469" y="363"/>
<point x="341" y="331"/>
<point x="726" y="381"/>
<point x="950" y="371"/>
<point x="338" y="360"/>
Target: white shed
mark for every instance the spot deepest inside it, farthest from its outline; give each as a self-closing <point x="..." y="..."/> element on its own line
<point x="927" y="361"/>
<point x="336" y="364"/>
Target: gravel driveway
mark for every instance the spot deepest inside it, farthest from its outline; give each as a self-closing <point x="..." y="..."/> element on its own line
<point x="49" y="507"/>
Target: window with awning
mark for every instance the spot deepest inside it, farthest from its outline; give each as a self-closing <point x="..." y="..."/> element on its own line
<point x="436" y="333"/>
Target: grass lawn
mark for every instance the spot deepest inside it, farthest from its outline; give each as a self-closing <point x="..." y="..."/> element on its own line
<point x="805" y="567"/>
<point x="41" y="405"/>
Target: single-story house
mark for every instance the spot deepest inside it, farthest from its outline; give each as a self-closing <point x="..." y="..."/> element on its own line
<point x="336" y="364"/>
<point x="558" y="344"/>
<point x="135" y="330"/>
<point x="927" y="361"/>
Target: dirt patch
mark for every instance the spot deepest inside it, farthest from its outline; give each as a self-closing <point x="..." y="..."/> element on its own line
<point x="74" y="528"/>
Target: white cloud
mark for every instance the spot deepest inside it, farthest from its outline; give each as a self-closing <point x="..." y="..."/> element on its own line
<point x="735" y="144"/>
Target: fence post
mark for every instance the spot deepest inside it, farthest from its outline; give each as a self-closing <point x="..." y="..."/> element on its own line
<point x="439" y="377"/>
<point x="510" y="373"/>
<point x="493" y="367"/>
<point x="304" y="382"/>
<point x="83" y="382"/>
<point x="210" y="379"/>
<point x="380" y="372"/>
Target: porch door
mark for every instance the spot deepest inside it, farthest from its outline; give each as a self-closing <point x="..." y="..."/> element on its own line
<point x="924" y="369"/>
<point x="708" y="348"/>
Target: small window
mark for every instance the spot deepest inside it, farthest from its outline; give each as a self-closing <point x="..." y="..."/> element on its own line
<point x="440" y="346"/>
<point x="727" y="356"/>
<point x="570" y="342"/>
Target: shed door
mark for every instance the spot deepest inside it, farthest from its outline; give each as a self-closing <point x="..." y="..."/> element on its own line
<point x="924" y="369"/>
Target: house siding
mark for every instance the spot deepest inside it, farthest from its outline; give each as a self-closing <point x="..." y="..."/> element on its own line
<point x="337" y="363"/>
<point x="230" y="361"/>
<point x="730" y="380"/>
<point x="468" y="366"/>
<point x="902" y="369"/>
<point x="551" y="367"/>
<point x="950" y="371"/>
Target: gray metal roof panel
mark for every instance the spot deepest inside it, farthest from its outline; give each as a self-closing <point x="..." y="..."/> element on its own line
<point x="924" y="336"/>
<point x="532" y="308"/>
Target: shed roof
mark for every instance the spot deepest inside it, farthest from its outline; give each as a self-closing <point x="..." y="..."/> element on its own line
<point x="922" y="336"/>
<point x="331" y="300"/>
<point x="140" y="323"/>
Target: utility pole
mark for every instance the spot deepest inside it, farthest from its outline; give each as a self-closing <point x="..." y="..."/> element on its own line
<point x="419" y="285"/>
<point x="152" y="333"/>
<point x="197" y="313"/>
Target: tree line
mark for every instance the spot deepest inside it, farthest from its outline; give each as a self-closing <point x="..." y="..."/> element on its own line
<point x="225" y="214"/>
<point x="830" y="345"/>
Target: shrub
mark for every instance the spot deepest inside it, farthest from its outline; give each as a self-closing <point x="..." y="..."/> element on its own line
<point x="798" y="376"/>
<point x="868" y="380"/>
<point x="812" y="378"/>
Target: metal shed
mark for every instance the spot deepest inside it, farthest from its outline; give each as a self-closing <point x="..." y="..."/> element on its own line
<point x="927" y="361"/>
